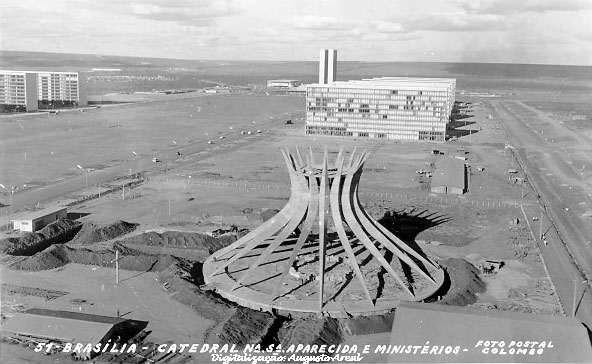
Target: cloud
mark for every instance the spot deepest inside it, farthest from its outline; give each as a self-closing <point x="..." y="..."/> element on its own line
<point x="315" y="22"/>
<point x="386" y="27"/>
<point x="336" y="30"/>
<point x="183" y="12"/>
<point x="519" y="6"/>
<point x="459" y="21"/>
<point x="586" y="36"/>
<point x="389" y="37"/>
<point x="541" y="31"/>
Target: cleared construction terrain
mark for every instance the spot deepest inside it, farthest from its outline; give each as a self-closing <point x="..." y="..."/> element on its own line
<point x="239" y="181"/>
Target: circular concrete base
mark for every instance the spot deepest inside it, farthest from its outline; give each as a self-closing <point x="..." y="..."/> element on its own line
<point x="344" y="294"/>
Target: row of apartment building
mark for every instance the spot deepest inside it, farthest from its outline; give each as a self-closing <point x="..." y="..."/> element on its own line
<point x="32" y="90"/>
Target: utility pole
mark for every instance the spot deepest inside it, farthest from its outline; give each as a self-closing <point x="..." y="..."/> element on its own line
<point x="541" y="226"/>
<point x="116" y="261"/>
<point x="574" y="297"/>
<point x="117" y="266"/>
<point x="169" y="205"/>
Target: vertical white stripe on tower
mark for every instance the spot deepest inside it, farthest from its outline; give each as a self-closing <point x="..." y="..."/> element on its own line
<point x="332" y="63"/>
<point x="323" y="63"/>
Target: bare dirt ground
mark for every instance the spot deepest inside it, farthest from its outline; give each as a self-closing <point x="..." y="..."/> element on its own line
<point x="233" y="180"/>
<point x="557" y="159"/>
<point x="93" y="290"/>
<point x="112" y="141"/>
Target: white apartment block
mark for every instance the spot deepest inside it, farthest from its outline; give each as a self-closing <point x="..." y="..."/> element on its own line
<point x="54" y="86"/>
<point x="29" y="89"/>
<point x="18" y="91"/>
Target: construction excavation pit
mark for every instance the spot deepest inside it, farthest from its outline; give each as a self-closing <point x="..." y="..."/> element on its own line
<point x="322" y="253"/>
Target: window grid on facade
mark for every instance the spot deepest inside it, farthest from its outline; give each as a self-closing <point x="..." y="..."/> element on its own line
<point x="385" y="108"/>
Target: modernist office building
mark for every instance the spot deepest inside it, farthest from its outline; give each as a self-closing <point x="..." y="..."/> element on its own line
<point x="29" y="90"/>
<point x="399" y="108"/>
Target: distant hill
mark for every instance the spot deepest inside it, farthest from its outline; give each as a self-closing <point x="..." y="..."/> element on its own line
<point x="241" y="72"/>
<point x="43" y="60"/>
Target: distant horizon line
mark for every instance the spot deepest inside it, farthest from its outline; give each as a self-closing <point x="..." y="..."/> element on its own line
<point x="287" y="61"/>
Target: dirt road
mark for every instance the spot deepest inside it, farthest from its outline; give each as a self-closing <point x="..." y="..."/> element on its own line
<point x="568" y="254"/>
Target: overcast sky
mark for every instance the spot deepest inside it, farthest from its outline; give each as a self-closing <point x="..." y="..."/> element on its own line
<point x="506" y="31"/>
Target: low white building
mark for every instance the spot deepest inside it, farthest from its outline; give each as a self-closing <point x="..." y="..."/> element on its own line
<point x="283" y="83"/>
<point x="36" y="220"/>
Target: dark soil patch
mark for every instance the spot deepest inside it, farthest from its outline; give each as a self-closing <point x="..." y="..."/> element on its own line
<point x="188" y="245"/>
<point x="365" y="325"/>
<point x="178" y="280"/>
<point x="462" y="283"/>
<point x="53" y="257"/>
<point x="58" y="232"/>
<point x="244" y="327"/>
<point x="310" y="331"/>
<point x="178" y="239"/>
<point x="47" y="294"/>
<point x="234" y="324"/>
<point x="92" y="233"/>
<point x="59" y="255"/>
<point x="268" y="214"/>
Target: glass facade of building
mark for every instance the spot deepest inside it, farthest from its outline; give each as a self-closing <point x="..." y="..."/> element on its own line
<point x="384" y="108"/>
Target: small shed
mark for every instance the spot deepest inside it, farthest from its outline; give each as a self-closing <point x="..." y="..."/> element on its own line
<point x="36" y="220"/>
<point x="450" y="176"/>
<point x="60" y="327"/>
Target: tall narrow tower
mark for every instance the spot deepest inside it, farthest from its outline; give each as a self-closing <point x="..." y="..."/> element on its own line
<point x="323" y="65"/>
<point x="327" y="66"/>
<point x="332" y="63"/>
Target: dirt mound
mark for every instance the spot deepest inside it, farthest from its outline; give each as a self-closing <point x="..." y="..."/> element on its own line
<point x="244" y="327"/>
<point x="234" y="324"/>
<point x="59" y="227"/>
<point x="178" y="280"/>
<point x="180" y="239"/>
<point x="228" y="239"/>
<point x="59" y="255"/>
<point x="92" y="233"/>
<point x="53" y="257"/>
<point x="463" y="282"/>
<point x="58" y="232"/>
<point x="260" y="216"/>
<point x="365" y="325"/>
<point x="310" y="331"/>
<point x="129" y="260"/>
<point x="268" y="214"/>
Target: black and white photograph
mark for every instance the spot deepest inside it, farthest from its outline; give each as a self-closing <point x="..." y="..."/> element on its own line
<point x="295" y="181"/>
